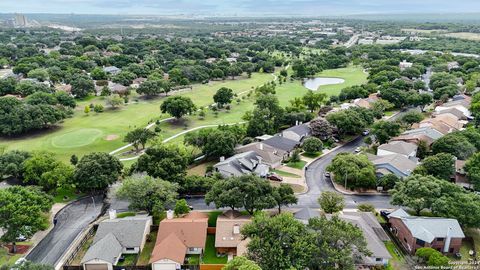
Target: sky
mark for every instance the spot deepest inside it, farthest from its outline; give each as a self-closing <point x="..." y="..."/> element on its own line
<point x="240" y="7"/>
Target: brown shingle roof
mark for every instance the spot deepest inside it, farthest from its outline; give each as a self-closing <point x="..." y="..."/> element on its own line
<point x="225" y="235"/>
<point x="191" y="231"/>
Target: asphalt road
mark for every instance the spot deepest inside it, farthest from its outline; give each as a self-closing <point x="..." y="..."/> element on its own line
<point x="71" y="220"/>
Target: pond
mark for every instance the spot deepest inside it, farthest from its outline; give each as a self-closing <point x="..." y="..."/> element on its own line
<point x="315" y="83"/>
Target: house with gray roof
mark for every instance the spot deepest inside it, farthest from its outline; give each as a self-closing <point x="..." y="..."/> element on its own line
<point x="409" y="150"/>
<point x="240" y="164"/>
<point x="297" y="133"/>
<point x="279" y="142"/>
<point x="115" y="237"/>
<point x="271" y="156"/>
<point x="396" y="164"/>
<point x="374" y="235"/>
<point x="112" y="70"/>
<point x="442" y="234"/>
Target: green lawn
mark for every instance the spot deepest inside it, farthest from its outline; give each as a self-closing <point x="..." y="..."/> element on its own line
<point x="397" y="262"/>
<point x="286" y="174"/>
<point x="193" y="259"/>
<point x="144" y="257"/>
<point x="130" y="259"/>
<point x="63" y="195"/>
<point x="353" y="75"/>
<point x="297" y="165"/>
<point x="125" y="214"/>
<point x="7" y="258"/>
<point x="210" y="254"/>
<point x="212" y="218"/>
<point x="82" y="133"/>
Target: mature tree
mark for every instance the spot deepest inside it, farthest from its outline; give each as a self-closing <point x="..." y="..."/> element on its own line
<point x="234" y="70"/>
<point x="146" y="193"/>
<point x="96" y="171"/>
<point x="40" y="74"/>
<point x="441" y="165"/>
<point x="356" y="170"/>
<point x="412" y="117"/>
<point x="366" y="207"/>
<point x="331" y="202"/>
<point x="336" y="240"/>
<point x="420" y="192"/>
<point x="45" y="170"/>
<point x="82" y="87"/>
<point x="181" y="207"/>
<point x="384" y="130"/>
<point x="11" y="163"/>
<point x="432" y="257"/>
<point x="351" y="121"/>
<point x="380" y="106"/>
<point x="241" y="263"/>
<point x="196" y="184"/>
<point x="28" y="265"/>
<point x="98" y="74"/>
<point x="456" y="144"/>
<point x="266" y="117"/>
<point x="283" y="235"/>
<point x="312" y="145"/>
<point x="388" y="181"/>
<point x="139" y="137"/>
<point x="472" y="167"/>
<point x="168" y="162"/>
<point x="248" y="191"/>
<point x="23" y="212"/>
<point x="114" y="101"/>
<point x="177" y="106"/>
<point x="463" y="206"/>
<point x="150" y="87"/>
<point x="321" y="129"/>
<point x="216" y="142"/>
<point x="284" y="196"/>
<point x="314" y="100"/>
<point x="223" y="96"/>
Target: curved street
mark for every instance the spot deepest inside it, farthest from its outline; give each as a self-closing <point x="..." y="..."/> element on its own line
<point x="71" y="221"/>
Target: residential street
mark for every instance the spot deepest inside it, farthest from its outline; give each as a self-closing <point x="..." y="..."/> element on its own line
<point x="71" y="220"/>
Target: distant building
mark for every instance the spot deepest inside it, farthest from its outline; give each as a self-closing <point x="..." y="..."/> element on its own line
<point x="20" y="20"/>
<point x="408" y="150"/>
<point x="241" y="164"/>
<point x="396" y="164"/>
<point x="112" y="70"/>
<point x="404" y="65"/>
<point x="297" y="133"/>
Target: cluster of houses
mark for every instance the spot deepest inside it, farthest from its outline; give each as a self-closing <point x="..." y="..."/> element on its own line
<point x="399" y="155"/>
<point x="267" y="152"/>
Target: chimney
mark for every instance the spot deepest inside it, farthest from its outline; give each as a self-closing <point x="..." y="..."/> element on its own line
<point x="112" y="214"/>
<point x="222" y="159"/>
<point x="296" y="123"/>
<point x="169" y="214"/>
<point x="260" y="146"/>
<point x="448" y="239"/>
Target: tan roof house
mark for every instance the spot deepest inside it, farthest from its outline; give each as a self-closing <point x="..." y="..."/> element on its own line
<point x="228" y="239"/>
<point x="177" y="238"/>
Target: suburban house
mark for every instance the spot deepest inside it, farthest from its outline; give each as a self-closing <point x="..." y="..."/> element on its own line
<point x="228" y="239"/>
<point x="240" y="164"/>
<point x="442" y="234"/>
<point x="111" y="70"/>
<point x="374" y="235"/>
<point x="404" y="65"/>
<point x="461" y="103"/>
<point x="427" y="134"/>
<point x="445" y="123"/>
<point x="297" y="133"/>
<point x="366" y="103"/>
<point x="409" y="150"/>
<point x="460" y="176"/>
<point x="115" y="237"/>
<point x="177" y="238"/>
<point x="282" y="143"/>
<point x="453" y="112"/>
<point x="396" y="164"/>
<point x="270" y="155"/>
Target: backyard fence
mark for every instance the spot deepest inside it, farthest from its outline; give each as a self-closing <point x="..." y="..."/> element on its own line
<point x="71" y="257"/>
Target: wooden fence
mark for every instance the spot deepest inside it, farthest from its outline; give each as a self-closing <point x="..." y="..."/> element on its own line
<point x="211" y="266"/>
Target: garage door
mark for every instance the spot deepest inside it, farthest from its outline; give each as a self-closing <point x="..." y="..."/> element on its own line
<point x="96" y="266"/>
<point x="164" y="266"/>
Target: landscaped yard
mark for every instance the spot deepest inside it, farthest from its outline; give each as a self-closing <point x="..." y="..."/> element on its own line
<point x="129" y="259"/>
<point x="285" y="174"/>
<point x="7" y="258"/>
<point x="63" y="195"/>
<point x="397" y="262"/>
<point x="200" y="169"/>
<point x="125" y="214"/>
<point x="193" y="259"/>
<point x="144" y="257"/>
<point x="212" y="218"/>
<point x="297" y="165"/>
<point x="210" y="254"/>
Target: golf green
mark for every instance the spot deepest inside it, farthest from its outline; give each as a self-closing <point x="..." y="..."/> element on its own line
<point x="77" y="138"/>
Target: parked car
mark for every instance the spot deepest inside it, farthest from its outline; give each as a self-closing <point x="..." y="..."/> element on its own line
<point x="385" y="214"/>
<point x="326" y="174"/>
<point x="366" y="132"/>
<point x="357" y="150"/>
<point x="274" y="177"/>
